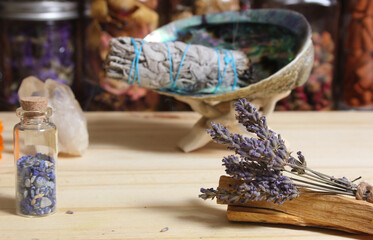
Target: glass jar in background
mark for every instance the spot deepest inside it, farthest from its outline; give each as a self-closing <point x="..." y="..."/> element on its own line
<point x="181" y="9"/>
<point x="105" y="20"/>
<point x="37" y="38"/>
<point x="35" y="156"/>
<point x="357" y="60"/>
<point x="318" y="93"/>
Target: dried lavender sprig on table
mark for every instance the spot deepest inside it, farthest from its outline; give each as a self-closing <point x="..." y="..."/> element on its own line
<point x="260" y="163"/>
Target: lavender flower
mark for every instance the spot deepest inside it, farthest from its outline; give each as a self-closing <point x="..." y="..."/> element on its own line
<point x="260" y="163"/>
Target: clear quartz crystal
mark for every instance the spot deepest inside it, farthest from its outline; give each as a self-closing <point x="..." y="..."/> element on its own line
<point x="35" y="155"/>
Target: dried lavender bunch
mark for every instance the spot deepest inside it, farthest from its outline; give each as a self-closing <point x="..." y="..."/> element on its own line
<point x="260" y="163"/>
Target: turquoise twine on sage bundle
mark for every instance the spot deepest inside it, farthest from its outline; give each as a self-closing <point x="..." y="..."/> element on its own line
<point x="173" y="81"/>
<point x="228" y="59"/>
<point x="135" y="63"/>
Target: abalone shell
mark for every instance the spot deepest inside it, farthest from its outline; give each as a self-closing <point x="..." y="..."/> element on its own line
<point x="278" y="42"/>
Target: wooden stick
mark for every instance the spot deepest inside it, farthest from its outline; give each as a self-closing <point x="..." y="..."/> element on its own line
<point x="309" y="209"/>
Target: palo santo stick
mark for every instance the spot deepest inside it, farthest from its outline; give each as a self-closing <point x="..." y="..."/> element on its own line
<point x="309" y="209"/>
<point x="252" y="214"/>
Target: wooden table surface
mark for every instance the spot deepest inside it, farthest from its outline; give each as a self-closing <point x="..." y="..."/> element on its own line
<point x="133" y="181"/>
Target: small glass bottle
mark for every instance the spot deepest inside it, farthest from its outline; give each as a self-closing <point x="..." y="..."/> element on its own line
<point x="35" y="155"/>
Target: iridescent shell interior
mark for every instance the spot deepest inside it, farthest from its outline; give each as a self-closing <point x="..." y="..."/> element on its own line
<point x="271" y="38"/>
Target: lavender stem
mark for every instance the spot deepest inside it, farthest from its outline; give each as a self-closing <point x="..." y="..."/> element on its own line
<point x="333" y="191"/>
<point x="311" y="184"/>
<point x="321" y="175"/>
<point x="321" y="180"/>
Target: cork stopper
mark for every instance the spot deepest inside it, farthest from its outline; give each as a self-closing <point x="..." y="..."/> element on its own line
<point x="35" y="104"/>
<point x="34" y="107"/>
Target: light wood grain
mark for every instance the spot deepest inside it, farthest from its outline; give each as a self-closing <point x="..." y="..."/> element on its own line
<point x="133" y="181"/>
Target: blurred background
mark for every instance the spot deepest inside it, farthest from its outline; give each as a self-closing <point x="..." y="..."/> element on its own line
<point x="68" y="41"/>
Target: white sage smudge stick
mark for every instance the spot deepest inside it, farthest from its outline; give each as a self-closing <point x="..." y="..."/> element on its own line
<point x="199" y="71"/>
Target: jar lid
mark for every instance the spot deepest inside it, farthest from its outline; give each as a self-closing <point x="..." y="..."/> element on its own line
<point x="43" y="10"/>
